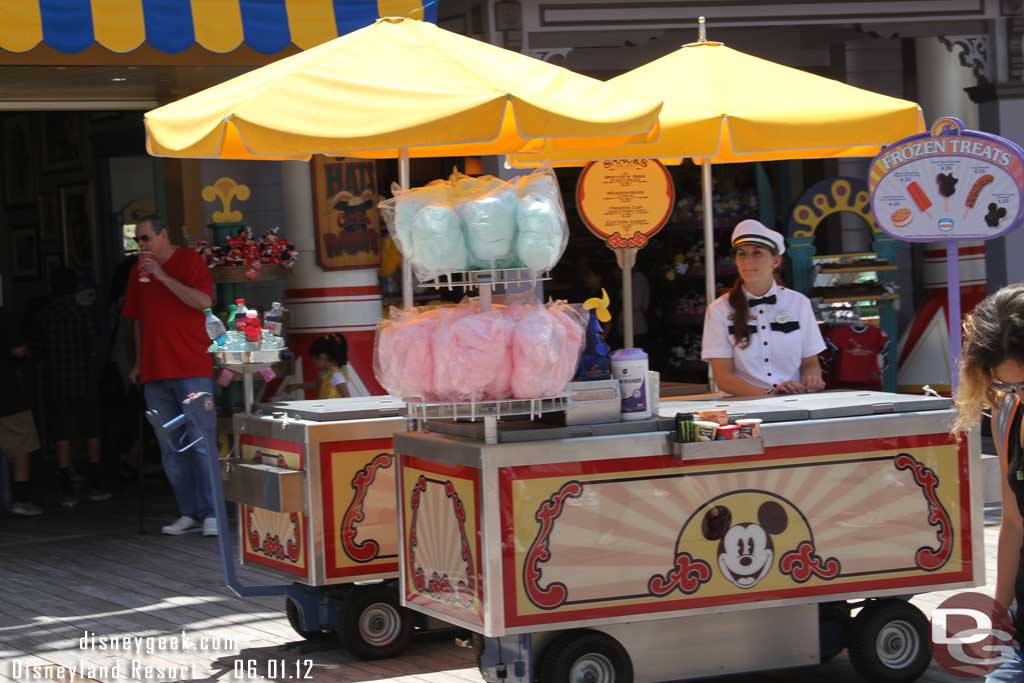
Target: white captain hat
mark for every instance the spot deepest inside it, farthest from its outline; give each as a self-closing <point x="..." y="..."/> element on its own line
<point x="750" y="231"/>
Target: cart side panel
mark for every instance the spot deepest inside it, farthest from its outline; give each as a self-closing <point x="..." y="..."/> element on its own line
<point x="443" y="571"/>
<point x="360" y="517"/>
<point x="275" y="540"/>
<point x="602" y="539"/>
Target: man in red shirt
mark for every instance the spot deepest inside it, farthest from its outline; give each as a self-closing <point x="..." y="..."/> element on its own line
<point x="172" y="360"/>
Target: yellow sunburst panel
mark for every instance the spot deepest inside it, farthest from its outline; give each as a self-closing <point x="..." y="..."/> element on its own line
<point x="840" y="198"/>
<point x="226" y="190"/>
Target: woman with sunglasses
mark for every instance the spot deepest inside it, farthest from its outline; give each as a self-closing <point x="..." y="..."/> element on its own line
<point x="761" y="338"/>
<point x="992" y="376"/>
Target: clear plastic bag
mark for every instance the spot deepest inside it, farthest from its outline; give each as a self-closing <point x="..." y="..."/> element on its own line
<point x="546" y="347"/>
<point x="487" y="207"/>
<point x="403" y="358"/>
<point x="427" y="230"/>
<point x="543" y="230"/>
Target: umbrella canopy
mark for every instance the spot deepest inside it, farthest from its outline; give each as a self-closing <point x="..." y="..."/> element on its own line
<point x="723" y="106"/>
<point x="397" y="84"/>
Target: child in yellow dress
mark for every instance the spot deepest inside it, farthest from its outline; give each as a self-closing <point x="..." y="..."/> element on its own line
<point x="335" y="378"/>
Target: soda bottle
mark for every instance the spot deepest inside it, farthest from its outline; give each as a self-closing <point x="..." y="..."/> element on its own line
<point x="273" y="321"/>
<point x="240" y="313"/>
<point x="253" y="329"/>
<point x="232" y="313"/>
<point x="215" y="328"/>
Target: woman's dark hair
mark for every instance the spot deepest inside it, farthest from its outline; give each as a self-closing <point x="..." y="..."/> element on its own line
<point x="993" y="334"/>
<point x="333" y="345"/>
<point x="741" y="314"/>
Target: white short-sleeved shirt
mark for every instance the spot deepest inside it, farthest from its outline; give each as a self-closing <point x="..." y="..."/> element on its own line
<point x="782" y="335"/>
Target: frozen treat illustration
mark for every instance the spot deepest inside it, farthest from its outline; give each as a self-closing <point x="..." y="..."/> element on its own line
<point x="947" y="186"/>
<point x="976" y="188"/>
<point x="921" y="200"/>
<point x="994" y="215"/>
<point x="901" y="218"/>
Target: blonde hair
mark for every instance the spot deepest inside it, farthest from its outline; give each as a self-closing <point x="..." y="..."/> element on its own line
<point x="993" y="334"/>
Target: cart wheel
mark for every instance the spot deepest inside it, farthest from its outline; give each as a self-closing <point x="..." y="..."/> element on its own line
<point x="889" y="642"/>
<point x="292" y="610"/>
<point x="586" y="657"/>
<point x="372" y="625"/>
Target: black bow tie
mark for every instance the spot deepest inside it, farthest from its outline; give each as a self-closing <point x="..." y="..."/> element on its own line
<point x="770" y="300"/>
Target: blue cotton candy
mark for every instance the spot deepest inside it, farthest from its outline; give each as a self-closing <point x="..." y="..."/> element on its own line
<point x="542" y="232"/>
<point x="490" y="226"/>
<point x="438" y="243"/>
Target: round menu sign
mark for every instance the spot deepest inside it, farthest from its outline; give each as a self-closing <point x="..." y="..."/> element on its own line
<point x="949" y="184"/>
<point x="625" y="202"/>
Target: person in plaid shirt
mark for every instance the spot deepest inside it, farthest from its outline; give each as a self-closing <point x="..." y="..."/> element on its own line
<point x="68" y="340"/>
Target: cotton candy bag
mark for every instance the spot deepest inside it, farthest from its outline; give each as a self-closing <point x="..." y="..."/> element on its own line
<point x="543" y="230"/>
<point x="403" y="354"/>
<point x="489" y="217"/>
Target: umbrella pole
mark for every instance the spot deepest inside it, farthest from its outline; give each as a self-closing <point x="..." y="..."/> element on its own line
<point x="403" y="180"/>
<point x="709" y="244"/>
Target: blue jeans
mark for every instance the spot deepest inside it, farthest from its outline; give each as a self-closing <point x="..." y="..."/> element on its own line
<point x="189" y="472"/>
<point x="1010" y="672"/>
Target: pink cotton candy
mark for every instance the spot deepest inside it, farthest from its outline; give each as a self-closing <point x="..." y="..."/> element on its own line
<point x="404" y="358"/>
<point x="476" y="355"/>
<point x="569" y="355"/>
<point x="446" y="362"/>
<point x="535" y="352"/>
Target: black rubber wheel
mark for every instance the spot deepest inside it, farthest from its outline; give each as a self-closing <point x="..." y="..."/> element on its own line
<point x="585" y="657"/>
<point x="292" y="610"/>
<point x="372" y="625"/>
<point x="889" y="642"/>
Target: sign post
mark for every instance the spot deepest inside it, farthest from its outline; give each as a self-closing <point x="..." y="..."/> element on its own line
<point x="625" y="202"/>
<point x="948" y="185"/>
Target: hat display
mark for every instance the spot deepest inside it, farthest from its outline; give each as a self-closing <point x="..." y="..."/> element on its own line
<point x="750" y="231"/>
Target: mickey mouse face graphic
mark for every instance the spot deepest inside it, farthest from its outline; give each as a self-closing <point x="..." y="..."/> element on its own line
<point x="745" y="551"/>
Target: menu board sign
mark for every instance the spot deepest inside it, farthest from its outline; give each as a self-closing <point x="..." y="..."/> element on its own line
<point x="625" y="202"/>
<point x="949" y="184"/>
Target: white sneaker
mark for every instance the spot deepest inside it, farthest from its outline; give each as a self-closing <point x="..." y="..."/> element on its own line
<point x="26" y="510"/>
<point x="183" y="524"/>
<point x="210" y="526"/>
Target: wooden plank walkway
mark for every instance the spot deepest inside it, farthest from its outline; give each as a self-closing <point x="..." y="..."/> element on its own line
<point x="89" y="570"/>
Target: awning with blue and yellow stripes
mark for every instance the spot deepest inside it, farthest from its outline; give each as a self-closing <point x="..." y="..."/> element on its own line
<point x="173" y="26"/>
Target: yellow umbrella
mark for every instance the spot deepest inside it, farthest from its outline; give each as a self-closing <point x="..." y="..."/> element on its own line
<point x="721" y="106"/>
<point x="398" y="84"/>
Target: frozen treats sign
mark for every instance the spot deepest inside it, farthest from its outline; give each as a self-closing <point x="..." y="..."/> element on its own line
<point x="950" y="184"/>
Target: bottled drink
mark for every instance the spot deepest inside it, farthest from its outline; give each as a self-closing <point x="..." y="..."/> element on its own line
<point x="215" y="328"/>
<point x="240" y="313"/>
<point x="273" y="321"/>
<point x="253" y="329"/>
<point x="232" y="313"/>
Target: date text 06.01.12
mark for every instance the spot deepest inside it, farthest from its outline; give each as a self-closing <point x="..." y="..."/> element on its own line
<point x="276" y="669"/>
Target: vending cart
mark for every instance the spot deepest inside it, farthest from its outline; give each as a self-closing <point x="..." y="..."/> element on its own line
<point x="315" y="484"/>
<point x="610" y="553"/>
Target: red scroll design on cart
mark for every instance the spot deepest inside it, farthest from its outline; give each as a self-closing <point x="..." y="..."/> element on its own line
<point x="439" y="585"/>
<point x="688" y="575"/>
<point x="368" y="549"/>
<point x="803" y="563"/>
<point x="553" y="595"/>
<point x="930" y="559"/>
<point x="271" y="544"/>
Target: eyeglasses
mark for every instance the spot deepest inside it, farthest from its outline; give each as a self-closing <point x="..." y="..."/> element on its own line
<point x="1007" y="388"/>
<point x="141" y="239"/>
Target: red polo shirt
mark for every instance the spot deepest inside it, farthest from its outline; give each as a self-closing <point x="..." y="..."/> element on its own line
<point x="174" y="339"/>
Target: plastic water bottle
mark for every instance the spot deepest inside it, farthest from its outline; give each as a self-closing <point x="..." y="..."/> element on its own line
<point x="240" y="312"/>
<point x="253" y="329"/>
<point x="215" y="328"/>
<point x="273" y="321"/>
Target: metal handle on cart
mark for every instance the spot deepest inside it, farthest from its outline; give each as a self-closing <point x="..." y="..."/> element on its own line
<point x="880" y="408"/>
<point x="277" y="489"/>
